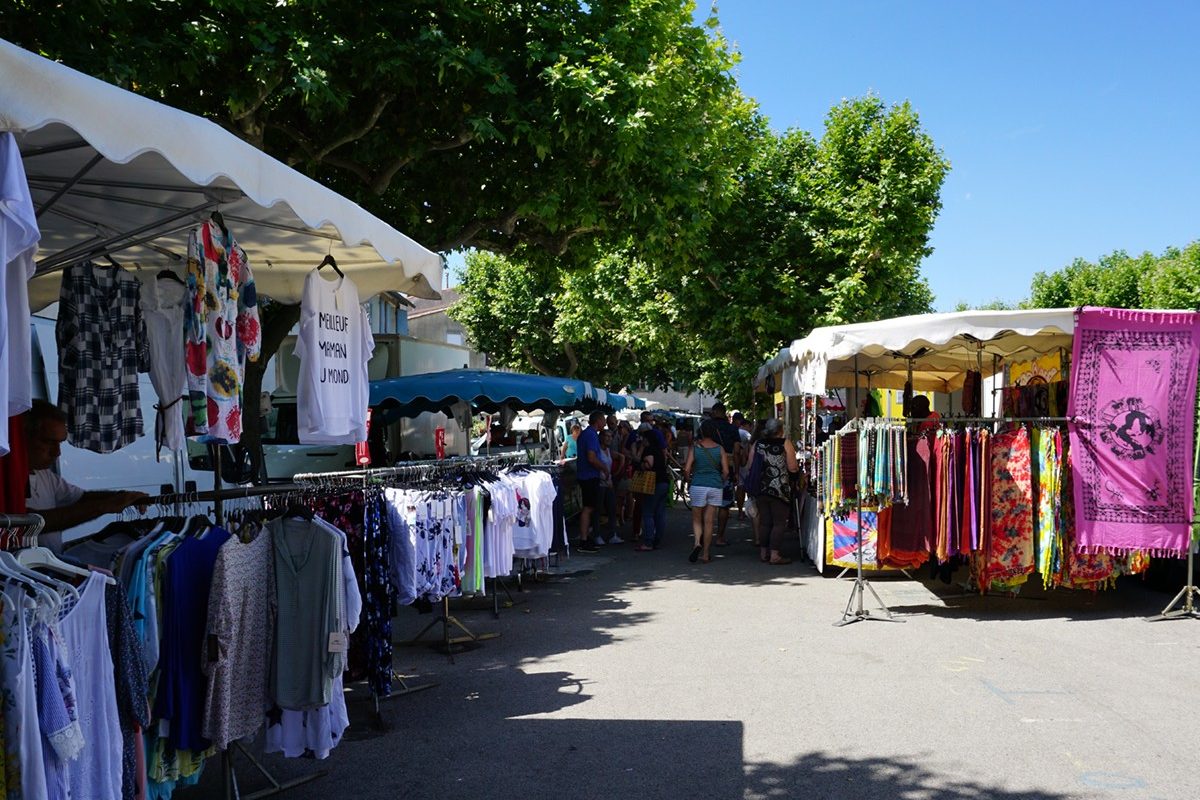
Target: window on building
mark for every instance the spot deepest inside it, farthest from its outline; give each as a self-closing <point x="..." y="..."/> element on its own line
<point x="453" y="337"/>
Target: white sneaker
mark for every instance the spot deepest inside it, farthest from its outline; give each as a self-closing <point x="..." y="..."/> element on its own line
<point x="616" y="540"/>
<point x="600" y="540"/>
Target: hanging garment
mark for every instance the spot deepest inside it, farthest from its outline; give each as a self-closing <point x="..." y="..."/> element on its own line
<point x="334" y="345"/>
<point x="187" y="582"/>
<point x="14" y="469"/>
<point x="1047" y="477"/>
<point x="222" y="332"/>
<point x="164" y="304"/>
<point x="102" y="346"/>
<point x="19" y="236"/>
<point x="131" y="682"/>
<point x="58" y="707"/>
<point x="1009" y="558"/>
<point x="912" y="522"/>
<point x="315" y="732"/>
<point x="1133" y="389"/>
<point x="306" y="658"/>
<point x="1078" y="569"/>
<point x="24" y="771"/>
<point x="238" y="644"/>
<point x="84" y="628"/>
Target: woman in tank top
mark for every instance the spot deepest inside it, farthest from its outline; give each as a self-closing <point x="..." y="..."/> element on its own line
<point x="707" y="467"/>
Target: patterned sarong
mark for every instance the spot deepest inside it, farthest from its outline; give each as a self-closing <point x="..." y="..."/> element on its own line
<point x="1009" y="557"/>
<point x="1133" y="389"/>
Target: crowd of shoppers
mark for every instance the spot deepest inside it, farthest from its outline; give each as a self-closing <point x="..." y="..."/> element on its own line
<point x="727" y="462"/>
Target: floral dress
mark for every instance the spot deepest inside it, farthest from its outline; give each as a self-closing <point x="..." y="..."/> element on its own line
<point x="222" y="332"/>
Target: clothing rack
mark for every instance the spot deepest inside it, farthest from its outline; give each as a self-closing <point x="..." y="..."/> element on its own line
<point x="856" y="610"/>
<point x="18" y="531"/>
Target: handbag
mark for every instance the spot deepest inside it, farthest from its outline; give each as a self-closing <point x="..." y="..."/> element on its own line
<point x="643" y="482"/>
<point x="754" y="475"/>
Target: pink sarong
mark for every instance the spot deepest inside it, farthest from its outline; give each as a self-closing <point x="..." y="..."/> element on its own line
<point x="1133" y="394"/>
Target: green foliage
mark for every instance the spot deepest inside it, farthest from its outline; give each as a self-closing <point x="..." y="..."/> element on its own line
<point x="484" y="123"/>
<point x="825" y="233"/>
<point x="609" y="323"/>
<point x="1119" y="280"/>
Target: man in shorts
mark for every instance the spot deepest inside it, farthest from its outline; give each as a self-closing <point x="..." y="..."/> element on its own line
<point x="588" y="471"/>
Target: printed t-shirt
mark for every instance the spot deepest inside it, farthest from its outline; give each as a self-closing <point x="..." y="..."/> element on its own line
<point x="334" y="345"/>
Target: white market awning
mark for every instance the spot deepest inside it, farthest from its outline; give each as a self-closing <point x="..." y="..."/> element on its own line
<point x="940" y="347"/>
<point x="113" y="171"/>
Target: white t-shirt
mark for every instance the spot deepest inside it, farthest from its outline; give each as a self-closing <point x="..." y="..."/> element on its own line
<point x="334" y="346"/>
<point x="47" y="491"/>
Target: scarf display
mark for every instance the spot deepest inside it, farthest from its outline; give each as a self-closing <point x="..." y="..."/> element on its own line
<point x="1133" y="388"/>
<point x="871" y="463"/>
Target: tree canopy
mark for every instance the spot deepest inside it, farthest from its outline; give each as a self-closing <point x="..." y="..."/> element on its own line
<point x="822" y="232"/>
<point x="464" y="123"/>
<point x="1118" y="280"/>
<point x="636" y="220"/>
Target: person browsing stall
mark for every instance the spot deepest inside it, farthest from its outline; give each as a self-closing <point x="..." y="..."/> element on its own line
<point x="62" y="504"/>
<point x="589" y="469"/>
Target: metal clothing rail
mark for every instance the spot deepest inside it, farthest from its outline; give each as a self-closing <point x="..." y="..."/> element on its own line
<point x="415" y="468"/>
<point x="18" y="531"/>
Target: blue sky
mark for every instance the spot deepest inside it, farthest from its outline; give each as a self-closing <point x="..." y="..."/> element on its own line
<point x="1072" y="128"/>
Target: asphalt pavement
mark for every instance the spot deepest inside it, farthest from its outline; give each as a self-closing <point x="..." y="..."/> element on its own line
<point x="640" y="675"/>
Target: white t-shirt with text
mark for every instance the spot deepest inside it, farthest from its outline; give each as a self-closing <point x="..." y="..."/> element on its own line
<point x="334" y="346"/>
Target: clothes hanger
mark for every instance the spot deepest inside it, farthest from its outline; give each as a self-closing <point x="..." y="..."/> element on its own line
<point x="168" y="275"/>
<point x="44" y="558"/>
<point x="10" y="566"/>
<point x="330" y="261"/>
<point x="220" y="220"/>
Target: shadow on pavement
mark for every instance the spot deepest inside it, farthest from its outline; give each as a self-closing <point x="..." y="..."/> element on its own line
<point x="825" y="775"/>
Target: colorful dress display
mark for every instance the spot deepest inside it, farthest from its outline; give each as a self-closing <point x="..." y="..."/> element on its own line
<point x="223" y="332"/>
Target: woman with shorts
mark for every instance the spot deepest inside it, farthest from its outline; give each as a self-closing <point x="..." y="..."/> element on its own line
<point x="707" y="467"/>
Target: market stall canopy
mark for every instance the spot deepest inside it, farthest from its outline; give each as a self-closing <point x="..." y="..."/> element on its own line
<point x="112" y="171"/>
<point x="940" y="347"/>
<point x="485" y="390"/>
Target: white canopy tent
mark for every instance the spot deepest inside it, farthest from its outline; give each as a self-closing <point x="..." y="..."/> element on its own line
<point x="939" y="347"/>
<point x="113" y="172"/>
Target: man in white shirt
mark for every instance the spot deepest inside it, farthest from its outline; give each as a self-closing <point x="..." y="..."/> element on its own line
<point x="62" y="504"/>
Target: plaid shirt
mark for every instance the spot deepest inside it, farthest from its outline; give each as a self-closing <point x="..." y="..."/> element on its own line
<point x="102" y="346"/>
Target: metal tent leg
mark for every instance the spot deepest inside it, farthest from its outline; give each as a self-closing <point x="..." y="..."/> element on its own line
<point x="1187" y="595"/>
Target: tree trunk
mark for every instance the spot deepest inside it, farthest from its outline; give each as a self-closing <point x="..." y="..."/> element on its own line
<point x="277" y="322"/>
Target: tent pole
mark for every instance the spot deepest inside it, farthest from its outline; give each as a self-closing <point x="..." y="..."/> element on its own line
<point x="1189" y="591"/>
<point x="861" y="584"/>
<point x="66" y="187"/>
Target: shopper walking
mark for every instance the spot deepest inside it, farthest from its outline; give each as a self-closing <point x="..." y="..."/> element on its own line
<point x="623" y="468"/>
<point x="707" y="467"/>
<point x="654" y="507"/>
<point x="588" y="471"/>
<point x="730" y="440"/>
<point x="774" y="500"/>
<point x="608" y="492"/>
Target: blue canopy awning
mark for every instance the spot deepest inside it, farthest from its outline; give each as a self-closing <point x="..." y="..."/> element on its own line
<point x="485" y="390"/>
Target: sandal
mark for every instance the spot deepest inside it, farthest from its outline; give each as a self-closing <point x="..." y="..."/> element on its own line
<point x="695" y="554"/>
<point x="641" y="548"/>
<point x="706" y="560"/>
<point x="779" y="561"/>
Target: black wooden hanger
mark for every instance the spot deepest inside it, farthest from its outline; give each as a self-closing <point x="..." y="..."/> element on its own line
<point x="166" y="274"/>
<point x="220" y="220"/>
<point x="330" y="261"/>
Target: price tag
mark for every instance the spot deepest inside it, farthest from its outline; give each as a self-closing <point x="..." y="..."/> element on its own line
<point x="338" y="642"/>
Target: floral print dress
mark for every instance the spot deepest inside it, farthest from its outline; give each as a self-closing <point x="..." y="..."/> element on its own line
<point x="222" y="332"/>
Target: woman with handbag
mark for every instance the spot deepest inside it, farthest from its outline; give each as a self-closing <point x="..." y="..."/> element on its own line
<point x="654" y="505"/>
<point x="707" y="467"/>
<point x="773" y="494"/>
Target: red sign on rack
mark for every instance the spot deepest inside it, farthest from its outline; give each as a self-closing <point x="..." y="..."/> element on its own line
<point x="439" y="442"/>
<point x="362" y="450"/>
